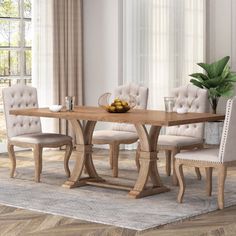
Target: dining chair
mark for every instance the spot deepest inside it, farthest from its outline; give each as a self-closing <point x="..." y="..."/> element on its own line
<point x="121" y="133"/>
<point x="184" y="137"/>
<point x="26" y="131"/>
<point x="219" y="158"/>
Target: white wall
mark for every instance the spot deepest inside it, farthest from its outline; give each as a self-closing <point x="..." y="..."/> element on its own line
<point x="100" y="48"/>
<point x="221" y="34"/>
<point x="101" y="54"/>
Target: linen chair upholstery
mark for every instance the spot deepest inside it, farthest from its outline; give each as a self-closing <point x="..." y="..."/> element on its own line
<point x="212" y="158"/>
<point x="189" y="136"/>
<point x="26" y="131"/>
<point x="122" y="133"/>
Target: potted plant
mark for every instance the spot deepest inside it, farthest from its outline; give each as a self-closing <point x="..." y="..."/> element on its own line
<point x="218" y="80"/>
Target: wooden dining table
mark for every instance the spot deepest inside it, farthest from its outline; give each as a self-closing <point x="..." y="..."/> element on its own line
<point x="83" y="120"/>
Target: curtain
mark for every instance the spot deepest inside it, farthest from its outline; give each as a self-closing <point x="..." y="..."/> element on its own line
<point x="162" y="42"/>
<point x="57" y="55"/>
<point x="67" y="47"/>
<point x="42" y="55"/>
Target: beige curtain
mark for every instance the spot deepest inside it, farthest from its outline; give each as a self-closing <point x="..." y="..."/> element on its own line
<point x="67" y="48"/>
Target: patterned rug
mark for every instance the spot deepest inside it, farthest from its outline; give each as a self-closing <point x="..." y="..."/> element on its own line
<point x="102" y="205"/>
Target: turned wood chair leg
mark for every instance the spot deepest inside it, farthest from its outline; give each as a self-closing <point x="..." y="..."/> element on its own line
<point x="69" y="148"/>
<point x="37" y="151"/>
<point x="198" y="173"/>
<point x="222" y="171"/>
<point x="168" y="162"/>
<point x="138" y="156"/>
<point x="115" y="156"/>
<point x="12" y="157"/>
<point x="180" y="176"/>
<point x="174" y="178"/>
<point x="208" y="180"/>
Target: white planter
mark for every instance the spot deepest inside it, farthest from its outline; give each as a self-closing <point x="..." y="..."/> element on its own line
<point x="213" y="132"/>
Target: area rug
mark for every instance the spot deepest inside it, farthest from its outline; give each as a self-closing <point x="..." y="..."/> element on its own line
<point x="101" y="205"/>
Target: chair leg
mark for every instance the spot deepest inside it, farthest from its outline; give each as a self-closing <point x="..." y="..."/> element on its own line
<point x="174" y="178"/>
<point x="168" y="162"/>
<point x="222" y="171"/>
<point x="208" y="180"/>
<point x="138" y="156"/>
<point x="111" y="155"/>
<point x="114" y="156"/>
<point x="198" y="173"/>
<point x="37" y="151"/>
<point x="179" y="173"/>
<point x="69" y="148"/>
<point x="12" y="157"/>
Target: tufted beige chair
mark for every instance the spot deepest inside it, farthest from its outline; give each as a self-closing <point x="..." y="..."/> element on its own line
<point x="26" y="132"/>
<point x="122" y="133"/>
<point x="184" y="137"/>
<point x="212" y="158"/>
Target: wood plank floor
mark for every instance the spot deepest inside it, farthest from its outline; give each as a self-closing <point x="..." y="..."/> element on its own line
<point x="15" y="221"/>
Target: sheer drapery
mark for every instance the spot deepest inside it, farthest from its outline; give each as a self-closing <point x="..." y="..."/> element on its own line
<point x="162" y="42"/>
<point x="42" y="55"/>
<point x="57" y="54"/>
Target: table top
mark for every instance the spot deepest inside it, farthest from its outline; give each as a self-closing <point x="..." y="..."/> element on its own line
<point x="136" y="116"/>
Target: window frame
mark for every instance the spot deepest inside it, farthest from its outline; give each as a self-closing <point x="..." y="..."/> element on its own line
<point x="22" y="48"/>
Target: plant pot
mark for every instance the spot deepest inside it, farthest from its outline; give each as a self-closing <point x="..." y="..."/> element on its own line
<point x="213" y="132"/>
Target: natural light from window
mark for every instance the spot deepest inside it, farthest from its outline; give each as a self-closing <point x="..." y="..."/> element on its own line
<point x="15" y="47"/>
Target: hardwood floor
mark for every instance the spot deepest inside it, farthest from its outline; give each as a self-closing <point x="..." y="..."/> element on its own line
<point x="15" y="221"/>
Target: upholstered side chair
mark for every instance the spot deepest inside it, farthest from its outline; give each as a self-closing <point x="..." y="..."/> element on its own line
<point x="121" y="133"/>
<point x="26" y="132"/>
<point x="184" y="137"/>
<point x="220" y="159"/>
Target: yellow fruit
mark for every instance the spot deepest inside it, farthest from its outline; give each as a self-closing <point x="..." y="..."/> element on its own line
<point x="112" y="108"/>
<point x="117" y="100"/>
<point x="119" y="108"/>
<point x="118" y="104"/>
<point x="124" y="103"/>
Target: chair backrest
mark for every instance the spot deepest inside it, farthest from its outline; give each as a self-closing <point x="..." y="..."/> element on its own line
<point x="140" y="93"/>
<point x="194" y="99"/>
<point x="228" y="141"/>
<point x="17" y="97"/>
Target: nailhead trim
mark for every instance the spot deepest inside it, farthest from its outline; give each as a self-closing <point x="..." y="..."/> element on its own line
<point x="225" y="130"/>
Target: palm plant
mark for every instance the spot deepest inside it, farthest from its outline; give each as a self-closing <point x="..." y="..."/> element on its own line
<point x="218" y="80"/>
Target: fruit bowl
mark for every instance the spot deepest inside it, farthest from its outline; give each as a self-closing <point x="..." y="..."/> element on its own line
<point x="119" y="104"/>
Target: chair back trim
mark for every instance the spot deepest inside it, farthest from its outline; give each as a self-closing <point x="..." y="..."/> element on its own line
<point x="228" y="145"/>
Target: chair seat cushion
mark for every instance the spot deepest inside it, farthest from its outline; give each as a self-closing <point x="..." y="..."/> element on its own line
<point x="210" y="155"/>
<point x="42" y="138"/>
<point x="110" y="136"/>
<point x="177" y="141"/>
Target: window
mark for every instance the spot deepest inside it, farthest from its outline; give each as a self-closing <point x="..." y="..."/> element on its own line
<point x="15" y="50"/>
<point x="15" y="40"/>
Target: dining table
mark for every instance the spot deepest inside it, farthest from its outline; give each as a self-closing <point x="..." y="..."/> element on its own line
<point x="148" y="124"/>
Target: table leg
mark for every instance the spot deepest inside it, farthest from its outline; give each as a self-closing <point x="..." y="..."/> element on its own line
<point x="148" y="164"/>
<point x="84" y="155"/>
